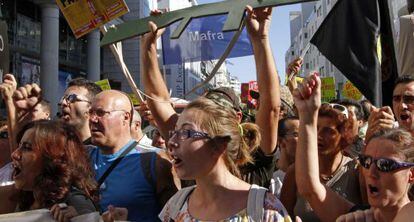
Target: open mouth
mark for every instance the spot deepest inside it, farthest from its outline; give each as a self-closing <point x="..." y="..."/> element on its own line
<point x="16" y="171"/>
<point x="175" y="160"/>
<point x="373" y="190"/>
<point x="404" y="117"/>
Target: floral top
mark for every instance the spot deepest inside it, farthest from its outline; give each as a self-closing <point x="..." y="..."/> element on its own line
<point x="274" y="211"/>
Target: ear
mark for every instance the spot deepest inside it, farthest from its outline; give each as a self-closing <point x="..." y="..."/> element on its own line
<point x="411" y="176"/>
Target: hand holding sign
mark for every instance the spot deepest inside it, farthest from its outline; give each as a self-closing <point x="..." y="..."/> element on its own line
<point x="258" y="22"/>
<point x="27" y="97"/>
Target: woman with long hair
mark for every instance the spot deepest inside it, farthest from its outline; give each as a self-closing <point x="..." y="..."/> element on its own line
<point x="209" y="146"/>
<point x="386" y="161"/>
<point x="51" y="170"/>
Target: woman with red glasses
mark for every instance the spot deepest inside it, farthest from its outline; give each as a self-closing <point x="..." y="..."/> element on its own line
<point x="386" y="166"/>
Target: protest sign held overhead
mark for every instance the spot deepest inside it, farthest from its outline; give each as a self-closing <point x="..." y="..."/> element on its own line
<point x="4" y="50"/>
<point x="234" y="8"/>
<point x="203" y="40"/>
<point x="84" y="16"/>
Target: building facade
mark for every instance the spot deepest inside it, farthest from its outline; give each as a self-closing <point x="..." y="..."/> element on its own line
<point x="43" y="49"/>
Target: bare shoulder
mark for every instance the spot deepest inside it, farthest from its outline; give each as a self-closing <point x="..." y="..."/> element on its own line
<point x="406" y="213"/>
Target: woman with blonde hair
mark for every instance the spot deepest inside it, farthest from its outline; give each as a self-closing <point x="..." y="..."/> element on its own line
<point x="209" y="146"/>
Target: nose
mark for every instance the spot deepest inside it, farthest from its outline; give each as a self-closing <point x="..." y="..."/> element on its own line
<point x="373" y="171"/>
<point x="93" y="117"/>
<point x="172" y="144"/>
<point x="16" y="155"/>
<point x="63" y="102"/>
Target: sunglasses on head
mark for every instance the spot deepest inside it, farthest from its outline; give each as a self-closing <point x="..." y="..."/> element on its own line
<point x="338" y="107"/>
<point x="383" y="164"/>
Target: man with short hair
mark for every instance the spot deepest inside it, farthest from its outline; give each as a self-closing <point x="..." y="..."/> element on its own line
<point x="142" y="181"/>
<point x="136" y="131"/>
<point x="41" y="111"/>
<point x="75" y="104"/>
<point x="402" y="105"/>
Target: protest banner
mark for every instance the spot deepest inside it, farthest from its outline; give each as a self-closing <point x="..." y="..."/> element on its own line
<point x="84" y="16"/>
<point x="43" y="215"/>
<point x="328" y="89"/>
<point x="203" y="40"/>
<point x="349" y="91"/>
<point x="104" y="84"/>
<point x="4" y="50"/>
<point x="234" y="8"/>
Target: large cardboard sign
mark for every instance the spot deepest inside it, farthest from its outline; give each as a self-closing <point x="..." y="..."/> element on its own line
<point x="84" y="16"/>
<point x="4" y="50"/>
<point x="234" y="8"/>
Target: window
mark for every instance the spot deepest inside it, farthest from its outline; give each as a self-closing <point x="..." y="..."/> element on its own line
<point x="306" y="35"/>
<point x="307" y="65"/>
<point x="293" y="53"/>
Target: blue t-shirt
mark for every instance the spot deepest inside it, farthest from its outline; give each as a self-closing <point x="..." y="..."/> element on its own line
<point x="127" y="185"/>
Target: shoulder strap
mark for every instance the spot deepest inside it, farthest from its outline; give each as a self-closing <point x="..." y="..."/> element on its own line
<point x="116" y="162"/>
<point x="255" y="203"/>
<point x="148" y="167"/>
<point x="178" y="200"/>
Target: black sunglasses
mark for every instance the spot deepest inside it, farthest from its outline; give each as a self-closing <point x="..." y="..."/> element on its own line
<point x="71" y="98"/>
<point x="383" y="164"/>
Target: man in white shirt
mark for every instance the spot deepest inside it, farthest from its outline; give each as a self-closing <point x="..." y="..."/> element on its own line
<point x="136" y="131"/>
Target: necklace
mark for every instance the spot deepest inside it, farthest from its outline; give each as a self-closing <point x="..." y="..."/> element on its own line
<point x="328" y="178"/>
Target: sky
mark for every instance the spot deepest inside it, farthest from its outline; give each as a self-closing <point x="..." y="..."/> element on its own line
<point x="243" y="67"/>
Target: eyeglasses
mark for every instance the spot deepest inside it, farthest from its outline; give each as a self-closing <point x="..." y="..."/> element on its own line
<point x="407" y="99"/>
<point x="383" y="164"/>
<point x="338" y="107"/>
<point x="72" y="98"/>
<point x="101" y="113"/>
<point x="183" y="134"/>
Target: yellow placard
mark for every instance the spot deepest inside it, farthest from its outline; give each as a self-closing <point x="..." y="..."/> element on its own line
<point x="134" y="99"/>
<point x="328" y="89"/>
<point x="84" y="16"/>
<point x="351" y="92"/>
<point x="299" y="79"/>
<point x="104" y="84"/>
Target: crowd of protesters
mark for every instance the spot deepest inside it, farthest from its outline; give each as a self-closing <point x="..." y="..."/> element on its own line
<point x="300" y="159"/>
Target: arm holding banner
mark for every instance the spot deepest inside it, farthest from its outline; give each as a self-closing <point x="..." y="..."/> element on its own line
<point x="267" y="117"/>
<point x="155" y="87"/>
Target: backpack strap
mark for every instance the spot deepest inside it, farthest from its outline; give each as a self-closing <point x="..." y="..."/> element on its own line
<point x="255" y="203"/>
<point x="178" y="200"/>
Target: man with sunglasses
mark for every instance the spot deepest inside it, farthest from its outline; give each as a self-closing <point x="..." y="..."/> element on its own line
<point x="141" y="179"/>
<point x="75" y="104"/>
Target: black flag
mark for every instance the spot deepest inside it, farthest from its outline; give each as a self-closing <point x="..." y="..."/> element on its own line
<point x="348" y="38"/>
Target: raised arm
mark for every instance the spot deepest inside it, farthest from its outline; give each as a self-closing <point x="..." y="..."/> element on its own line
<point x="308" y="100"/>
<point x="267" y="117"/>
<point x="155" y="87"/>
<point x="7" y="89"/>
